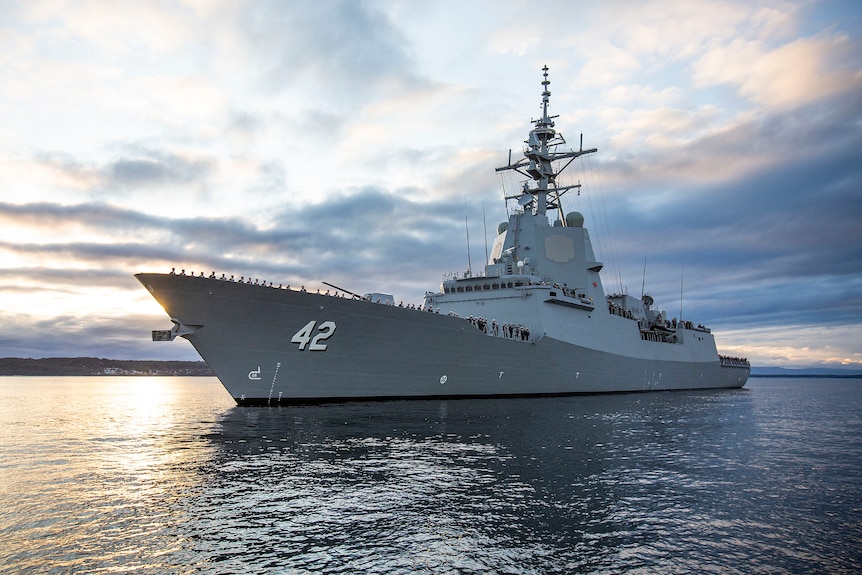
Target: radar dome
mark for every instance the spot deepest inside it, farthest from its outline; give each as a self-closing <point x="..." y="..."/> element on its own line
<point x="575" y="220"/>
<point x="502" y="227"/>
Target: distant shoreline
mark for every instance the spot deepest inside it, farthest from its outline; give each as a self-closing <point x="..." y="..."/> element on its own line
<point x="807" y="375"/>
<point x="94" y="366"/>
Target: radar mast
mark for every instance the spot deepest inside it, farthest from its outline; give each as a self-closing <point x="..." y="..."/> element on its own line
<point x="540" y="154"/>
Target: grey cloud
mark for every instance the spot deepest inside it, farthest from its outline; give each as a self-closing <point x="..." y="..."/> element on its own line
<point x="134" y="167"/>
<point x="346" y="45"/>
<point x="242" y="121"/>
<point x="364" y="241"/>
<point x="154" y="170"/>
<point x="109" y="219"/>
<point x="776" y="246"/>
<point x="366" y="234"/>
<point x="76" y="336"/>
<point x="69" y="167"/>
<point x="807" y="196"/>
<point x="54" y="278"/>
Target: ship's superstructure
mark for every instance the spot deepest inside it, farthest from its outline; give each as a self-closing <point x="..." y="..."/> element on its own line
<point x="536" y="322"/>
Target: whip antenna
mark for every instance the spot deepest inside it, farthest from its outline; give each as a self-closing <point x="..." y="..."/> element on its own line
<point x="467" y="228"/>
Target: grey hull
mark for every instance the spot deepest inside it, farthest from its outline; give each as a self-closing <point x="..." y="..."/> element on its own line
<point x="270" y="345"/>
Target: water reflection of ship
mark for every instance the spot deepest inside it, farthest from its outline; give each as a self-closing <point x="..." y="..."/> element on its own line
<point x="525" y="470"/>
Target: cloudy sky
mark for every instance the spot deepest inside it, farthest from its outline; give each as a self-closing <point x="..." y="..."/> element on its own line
<point x="347" y="141"/>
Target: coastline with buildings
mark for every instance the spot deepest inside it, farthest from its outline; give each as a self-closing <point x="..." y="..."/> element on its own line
<point x="89" y="366"/>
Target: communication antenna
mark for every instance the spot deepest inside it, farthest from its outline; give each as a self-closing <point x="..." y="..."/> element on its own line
<point x="643" y="281"/>
<point x="467" y="228"/>
<point x="681" y="276"/>
<point x="485" y="230"/>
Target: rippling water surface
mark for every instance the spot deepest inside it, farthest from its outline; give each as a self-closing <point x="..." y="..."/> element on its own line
<point x="166" y="475"/>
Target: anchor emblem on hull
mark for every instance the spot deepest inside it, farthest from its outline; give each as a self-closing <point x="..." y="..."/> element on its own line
<point x="254" y="374"/>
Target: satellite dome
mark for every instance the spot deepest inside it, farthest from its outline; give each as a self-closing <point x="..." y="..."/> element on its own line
<point x="502" y="227"/>
<point x="575" y="220"/>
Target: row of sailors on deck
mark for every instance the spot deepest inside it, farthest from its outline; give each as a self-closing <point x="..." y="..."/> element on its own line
<point x="619" y="310"/>
<point x="673" y="324"/>
<point x="686" y="324"/>
<point x="264" y="283"/>
<point x="734" y="361"/>
<point x="627" y="313"/>
<point x="509" y="331"/>
<point x="232" y="278"/>
<point x="567" y="291"/>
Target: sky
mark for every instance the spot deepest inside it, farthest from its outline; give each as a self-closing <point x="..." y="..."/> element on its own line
<point x="350" y="142"/>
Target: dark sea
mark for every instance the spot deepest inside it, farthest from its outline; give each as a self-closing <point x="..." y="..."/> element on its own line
<point x="166" y="475"/>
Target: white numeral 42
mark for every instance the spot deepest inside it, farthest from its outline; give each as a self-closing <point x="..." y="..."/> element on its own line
<point x="304" y="336"/>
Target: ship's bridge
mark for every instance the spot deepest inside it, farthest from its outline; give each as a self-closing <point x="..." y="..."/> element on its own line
<point x="558" y="253"/>
<point x="487" y="283"/>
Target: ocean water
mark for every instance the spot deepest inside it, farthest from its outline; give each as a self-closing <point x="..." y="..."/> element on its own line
<point x="166" y="475"/>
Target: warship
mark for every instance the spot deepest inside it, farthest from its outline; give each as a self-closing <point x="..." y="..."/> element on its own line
<point x="535" y="322"/>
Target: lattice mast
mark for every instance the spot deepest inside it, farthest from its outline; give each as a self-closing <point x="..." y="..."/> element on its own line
<point x="540" y="155"/>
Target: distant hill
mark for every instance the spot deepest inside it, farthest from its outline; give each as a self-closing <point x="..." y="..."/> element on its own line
<point x="100" y="366"/>
<point x="804" y="372"/>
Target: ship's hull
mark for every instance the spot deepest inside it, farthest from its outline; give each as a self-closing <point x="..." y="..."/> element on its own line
<point x="270" y="345"/>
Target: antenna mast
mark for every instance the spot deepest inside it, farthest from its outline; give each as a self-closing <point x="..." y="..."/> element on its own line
<point x="485" y="231"/>
<point x="540" y="154"/>
<point x="681" y="276"/>
<point x="643" y="281"/>
<point x="467" y="227"/>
